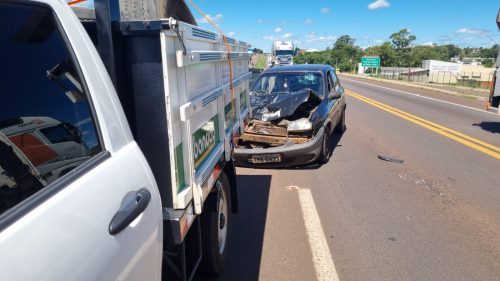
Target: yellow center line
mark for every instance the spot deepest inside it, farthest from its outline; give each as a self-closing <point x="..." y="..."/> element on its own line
<point x="447" y="132"/>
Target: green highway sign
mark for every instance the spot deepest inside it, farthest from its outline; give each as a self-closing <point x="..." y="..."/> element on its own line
<point x="370" y="61"/>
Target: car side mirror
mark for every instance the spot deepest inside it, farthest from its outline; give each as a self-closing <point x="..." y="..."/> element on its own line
<point x="334" y="95"/>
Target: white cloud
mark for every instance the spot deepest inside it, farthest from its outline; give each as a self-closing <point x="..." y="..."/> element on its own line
<point x="270" y="37"/>
<point x="471" y="31"/>
<point x="378" y="4"/>
<point x="278" y="29"/>
<point x="325" y="10"/>
<point x="308" y="21"/>
<point x="429" y="44"/>
<point x="215" y="19"/>
<point x="321" y="39"/>
<point x="232" y="33"/>
<point x="311" y="35"/>
<point x="259" y="21"/>
<point x="277" y="37"/>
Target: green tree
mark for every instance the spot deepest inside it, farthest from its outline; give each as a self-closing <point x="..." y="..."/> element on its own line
<point x="420" y="53"/>
<point x="489" y="52"/>
<point x="345" y="54"/>
<point x="402" y="39"/>
<point x="386" y="53"/>
<point x="488" y="63"/>
<point x="343" y="42"/>
<point x="446" y="52"/>
<point x="401" y="42"/>
<point x="257" y="51"/>
<point x="296" y="50"/>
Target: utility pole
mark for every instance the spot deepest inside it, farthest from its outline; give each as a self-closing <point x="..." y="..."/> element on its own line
<point x="409" y="64"/>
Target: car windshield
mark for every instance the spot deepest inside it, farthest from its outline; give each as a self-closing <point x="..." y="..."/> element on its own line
<point x="285" y="82"/>
<point x="284" y="52"/>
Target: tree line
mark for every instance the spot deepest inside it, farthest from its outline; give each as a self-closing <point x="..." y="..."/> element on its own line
<point x="398" y="51"/>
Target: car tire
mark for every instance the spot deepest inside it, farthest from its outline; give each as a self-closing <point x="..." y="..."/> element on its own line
<point x="215" y="226"/>
<point x="325" y="149"/>
<point x="340" y="128"/>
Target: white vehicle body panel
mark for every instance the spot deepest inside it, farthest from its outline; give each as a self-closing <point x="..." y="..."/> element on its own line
<point x="67" y="236"/>
<point x="201" y="121"/>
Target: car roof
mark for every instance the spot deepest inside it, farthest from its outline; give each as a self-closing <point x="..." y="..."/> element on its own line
<point x="299" y="68"/>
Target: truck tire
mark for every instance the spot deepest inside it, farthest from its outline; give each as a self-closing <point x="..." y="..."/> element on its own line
<point x="215" y="226"/>
<point x="340" y="128"/>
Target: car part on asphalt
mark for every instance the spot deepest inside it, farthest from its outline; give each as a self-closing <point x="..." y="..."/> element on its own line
<point x="389" y="159"/>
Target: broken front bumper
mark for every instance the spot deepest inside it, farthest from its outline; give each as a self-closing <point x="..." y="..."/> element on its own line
<point x="290" y="154"/>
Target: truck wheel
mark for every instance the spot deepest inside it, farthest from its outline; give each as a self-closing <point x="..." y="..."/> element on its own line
<point x="340" y="128"/>
<point x="325" y="150"/>
<point x="215" y="226"/>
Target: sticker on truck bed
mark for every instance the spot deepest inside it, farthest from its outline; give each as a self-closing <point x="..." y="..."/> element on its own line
<point x="204" y="140"/>
<point x="179" y="168"/>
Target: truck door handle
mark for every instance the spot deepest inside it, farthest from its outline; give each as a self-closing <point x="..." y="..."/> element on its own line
<point x="133" y="204"/>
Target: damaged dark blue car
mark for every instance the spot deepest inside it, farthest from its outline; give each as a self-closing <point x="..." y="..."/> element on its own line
<point x="295" y="109"/>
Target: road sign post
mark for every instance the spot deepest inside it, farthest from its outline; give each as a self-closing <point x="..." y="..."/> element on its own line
<point x="372" y="61"/>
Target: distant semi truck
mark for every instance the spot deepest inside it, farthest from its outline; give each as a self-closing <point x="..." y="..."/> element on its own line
<point x="283" y="52"/>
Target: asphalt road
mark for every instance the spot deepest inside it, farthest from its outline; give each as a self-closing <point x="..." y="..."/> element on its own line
<point x="436" y="216"/>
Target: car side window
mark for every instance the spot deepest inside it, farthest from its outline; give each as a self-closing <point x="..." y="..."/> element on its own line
<point x="330" y="81"/>
<point x="335" y="82"/>
<point x="47" y="128"/>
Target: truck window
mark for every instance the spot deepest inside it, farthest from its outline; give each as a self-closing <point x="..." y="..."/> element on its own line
<point x="46" y="124"/>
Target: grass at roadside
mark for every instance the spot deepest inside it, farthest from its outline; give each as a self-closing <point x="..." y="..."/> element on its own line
<point x="261" y="62"/>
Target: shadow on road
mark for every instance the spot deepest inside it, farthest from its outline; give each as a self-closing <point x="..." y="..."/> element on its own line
<point x="247" y="230"/>
<point x="492" y="127"/>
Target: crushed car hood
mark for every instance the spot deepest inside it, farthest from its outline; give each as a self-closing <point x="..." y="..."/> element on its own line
<point x="276" y="106"/>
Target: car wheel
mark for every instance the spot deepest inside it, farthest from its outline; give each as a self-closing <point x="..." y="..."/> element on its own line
<point x="340" y="128"/>
<point x="325" y="150"/>
<point x="215" y="224"/>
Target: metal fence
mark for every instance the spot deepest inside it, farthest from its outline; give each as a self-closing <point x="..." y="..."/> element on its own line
<point x="468" y="79"/>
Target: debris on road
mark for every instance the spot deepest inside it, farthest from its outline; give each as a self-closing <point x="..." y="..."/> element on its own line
<point x="389" y="159"/>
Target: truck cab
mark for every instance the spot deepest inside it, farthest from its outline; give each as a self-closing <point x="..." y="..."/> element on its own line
<point x="283" y="52"/>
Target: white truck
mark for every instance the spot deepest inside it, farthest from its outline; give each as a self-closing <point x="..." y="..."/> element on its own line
<point x="150" y="115"/>
<point x="283" y="52"/>
<point x="494" y="99"/>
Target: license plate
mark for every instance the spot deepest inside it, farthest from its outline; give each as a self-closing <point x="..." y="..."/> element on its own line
<point x="265" y="158"/>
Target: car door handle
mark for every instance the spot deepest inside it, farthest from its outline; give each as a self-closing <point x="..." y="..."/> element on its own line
<point x="133" y="204"/>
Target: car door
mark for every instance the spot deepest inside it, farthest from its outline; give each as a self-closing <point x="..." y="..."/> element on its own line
<point x="336" y="104"/>
<point x="101" y="218"/>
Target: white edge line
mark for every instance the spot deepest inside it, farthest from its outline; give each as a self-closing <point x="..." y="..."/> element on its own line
<point x="322" y="258"/>
<point x="421" y="96"/>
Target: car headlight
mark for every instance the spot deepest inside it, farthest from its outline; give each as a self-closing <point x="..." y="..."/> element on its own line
<point x="300" y="125"/>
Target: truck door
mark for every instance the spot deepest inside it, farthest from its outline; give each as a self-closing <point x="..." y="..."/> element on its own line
<point x="101" y="218"/>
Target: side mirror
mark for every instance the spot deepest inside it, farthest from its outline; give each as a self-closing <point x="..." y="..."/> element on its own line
<point x="334" y="95"/>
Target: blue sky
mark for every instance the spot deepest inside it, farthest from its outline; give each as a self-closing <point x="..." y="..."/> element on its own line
<point x="317" y="23"/>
